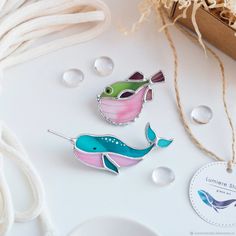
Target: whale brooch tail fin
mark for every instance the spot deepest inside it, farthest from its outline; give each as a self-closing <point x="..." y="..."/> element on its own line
<point x="153" y="138"/>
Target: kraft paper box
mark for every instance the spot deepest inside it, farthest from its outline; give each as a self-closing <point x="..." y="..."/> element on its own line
<point x="215" y="31"/>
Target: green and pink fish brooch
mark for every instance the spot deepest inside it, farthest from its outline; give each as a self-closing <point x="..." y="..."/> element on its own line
<point x="122" y="102"/>
<point x="109" y="153"/>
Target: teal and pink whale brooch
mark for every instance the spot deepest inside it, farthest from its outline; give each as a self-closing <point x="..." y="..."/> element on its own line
<point x="121" y="102"/>
<point x="110" y="153"/>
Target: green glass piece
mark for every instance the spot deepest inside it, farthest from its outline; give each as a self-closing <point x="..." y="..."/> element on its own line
<point x="116" y="89"/>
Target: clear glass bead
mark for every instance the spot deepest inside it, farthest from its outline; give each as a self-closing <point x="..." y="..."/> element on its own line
<point x="201" y="114"/>
<point x="163" y="176"/>
<point x="103" y="66"/>
<point x="72" y="78"/>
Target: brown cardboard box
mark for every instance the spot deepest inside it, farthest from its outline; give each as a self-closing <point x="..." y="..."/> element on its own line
<point x="212" y="29"/>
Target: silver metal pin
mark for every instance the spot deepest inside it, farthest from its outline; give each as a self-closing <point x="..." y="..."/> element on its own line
<point x="72" y="140"/>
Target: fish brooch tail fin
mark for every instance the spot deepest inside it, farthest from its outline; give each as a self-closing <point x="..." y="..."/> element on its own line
<point x="158" y="77"/>
<point x="153" y="138"/>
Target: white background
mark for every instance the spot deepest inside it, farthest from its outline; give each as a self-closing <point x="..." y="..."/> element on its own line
<point x="33" y="100"/>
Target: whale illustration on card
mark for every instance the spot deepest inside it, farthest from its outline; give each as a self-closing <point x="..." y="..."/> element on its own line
<point x="212" y="202"/>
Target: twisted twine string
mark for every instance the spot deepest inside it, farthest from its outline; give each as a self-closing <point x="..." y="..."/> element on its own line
<point x="187" y="128"/>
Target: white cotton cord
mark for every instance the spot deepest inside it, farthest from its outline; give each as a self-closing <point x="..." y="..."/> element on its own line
<point x="7" y="215"/>
<point x="18" y="34"/>
<point x="49" y="47"/>
<point x="2" y="3"/>
<point x="46" y="223"/>
<point x="11" y="148"/>
<point x="37" y="19"/>
<point x="1" y="78"/>
<point x="16" y="48"/>
<point x="6" y="26"/>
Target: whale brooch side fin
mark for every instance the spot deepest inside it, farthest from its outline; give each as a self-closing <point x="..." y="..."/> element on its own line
<point x="109" y="164"/>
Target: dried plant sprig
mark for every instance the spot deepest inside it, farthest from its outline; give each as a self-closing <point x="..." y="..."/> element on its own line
<point x="224" y="9"/>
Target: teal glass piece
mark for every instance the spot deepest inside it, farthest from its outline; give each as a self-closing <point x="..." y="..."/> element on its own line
<point x="90" y="143"/>
<point x="109" y="144"/>
<point x="150" y="134"/>
<point x="109" y="165"/>
<point x="164" y="143"/>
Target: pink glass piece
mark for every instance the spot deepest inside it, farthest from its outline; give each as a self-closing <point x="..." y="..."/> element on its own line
<point x="95" y="159"/>
<point x="123" y="111"/>
<point x="91" y="159"/>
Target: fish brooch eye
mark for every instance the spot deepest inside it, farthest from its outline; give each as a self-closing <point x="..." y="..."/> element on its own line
<point x="109" y="153"/>
<point x="122" y="102"/>
<point x="108" y="90"/>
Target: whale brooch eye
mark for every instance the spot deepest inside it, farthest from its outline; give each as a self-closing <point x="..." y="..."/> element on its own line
<point x="108" y="90"/>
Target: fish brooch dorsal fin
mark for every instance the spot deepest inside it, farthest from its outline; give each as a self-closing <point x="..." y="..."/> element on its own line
<point x="136" y="76"/>
<point x="109" y="164"/>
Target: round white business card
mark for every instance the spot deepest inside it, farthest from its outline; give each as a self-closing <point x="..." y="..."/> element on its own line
<point x="212" y="194"/>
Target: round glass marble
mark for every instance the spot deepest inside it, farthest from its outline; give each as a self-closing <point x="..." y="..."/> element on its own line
<point x="72" y="78"/>
<point x="201" y="114"/>
<point x="103" y="66"/>
<point x="163" y="176"/>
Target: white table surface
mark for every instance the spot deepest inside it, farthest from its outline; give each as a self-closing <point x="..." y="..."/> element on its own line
<point x="34" y="100"/>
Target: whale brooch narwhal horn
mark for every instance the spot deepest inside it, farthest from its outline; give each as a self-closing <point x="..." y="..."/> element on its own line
<point x="110" y="153"/>
<point x="121" y="102"/>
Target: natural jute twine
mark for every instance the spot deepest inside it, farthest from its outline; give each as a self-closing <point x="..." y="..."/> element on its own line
<point x="177" y="93"/>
